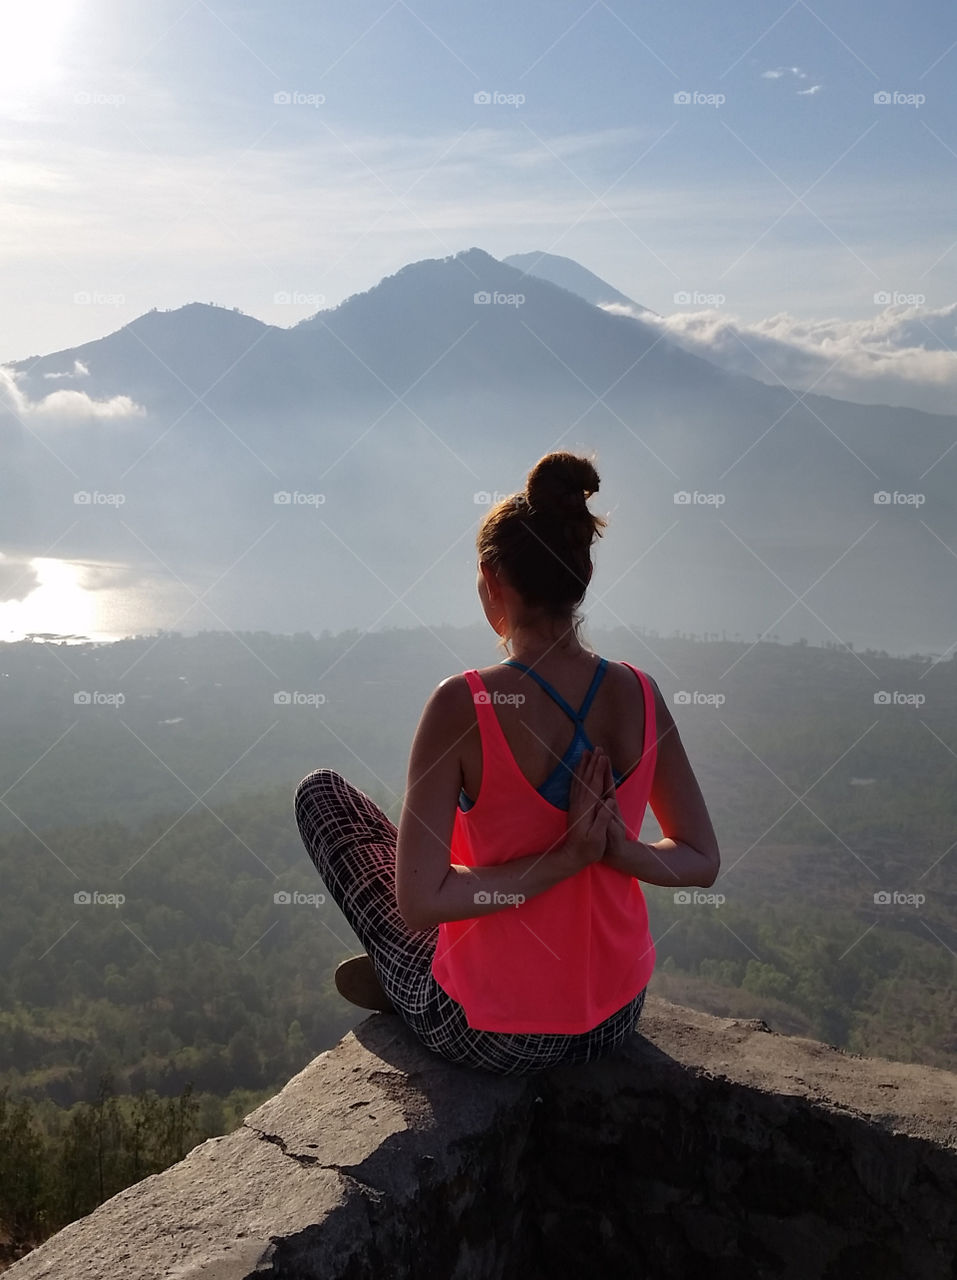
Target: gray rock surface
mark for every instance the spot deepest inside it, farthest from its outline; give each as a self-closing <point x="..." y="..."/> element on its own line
<point x="708" y="1145"/>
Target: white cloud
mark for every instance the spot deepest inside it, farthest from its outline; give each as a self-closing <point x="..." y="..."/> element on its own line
<point x="778" y="72"/>
<point x="104" y="575"/>
<point x="796" y="73"/>
<point x="79" y="370"/>
<point x="623" y="309"/>
<point x="903" y="355"/>
<point x="74" y="405"/>
<point x="18" y="577"/>
<point x="62" y="407"/>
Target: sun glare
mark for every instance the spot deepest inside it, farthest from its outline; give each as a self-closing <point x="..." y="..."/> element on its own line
<point x="58" y="604"/>
<point x="32" y="41"/>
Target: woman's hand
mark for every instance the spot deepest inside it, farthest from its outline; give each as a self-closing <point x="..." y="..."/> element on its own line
<point x="617" y="831"/>
<point x="589" y="816"/>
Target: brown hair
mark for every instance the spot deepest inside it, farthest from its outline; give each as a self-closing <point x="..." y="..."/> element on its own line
<point x="540" y="539"/>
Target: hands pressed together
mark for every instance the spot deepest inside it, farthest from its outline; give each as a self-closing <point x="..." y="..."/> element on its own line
<point x="596" y="829"/>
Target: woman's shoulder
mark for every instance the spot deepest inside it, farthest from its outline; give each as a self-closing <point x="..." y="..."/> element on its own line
<point x="453" y="689"/>
<point x="454" y="697"/>
<point x="624" y="674"/>
<point x="629" y="669"/>
<point x="448" y="713"/>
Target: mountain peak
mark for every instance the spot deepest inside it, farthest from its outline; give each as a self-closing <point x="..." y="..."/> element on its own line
<point x="475" y="257"/>
<point x="200" y="316"/>
<point x="571" y="275"/>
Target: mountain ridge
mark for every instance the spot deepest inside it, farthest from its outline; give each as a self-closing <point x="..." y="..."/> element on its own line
<point x="169" y="324"/>
<point x="448" y="379"/>
<point x="571" y="275"/>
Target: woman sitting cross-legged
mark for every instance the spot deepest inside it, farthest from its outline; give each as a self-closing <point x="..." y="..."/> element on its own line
<point x="504" y="919"/>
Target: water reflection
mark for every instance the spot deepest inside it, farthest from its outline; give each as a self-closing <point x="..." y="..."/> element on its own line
<point x="76" y="600"/>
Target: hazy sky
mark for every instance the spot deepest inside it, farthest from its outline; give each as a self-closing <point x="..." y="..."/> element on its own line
<point x="145" y="160"/>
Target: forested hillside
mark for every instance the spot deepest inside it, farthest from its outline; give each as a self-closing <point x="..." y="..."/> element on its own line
<point x="165" y="953"/>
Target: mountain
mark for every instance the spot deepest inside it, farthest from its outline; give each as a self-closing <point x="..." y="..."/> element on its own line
<point x="571" y="275"/>
<point x="389" y="420"/>
<point x="198" y="341"/>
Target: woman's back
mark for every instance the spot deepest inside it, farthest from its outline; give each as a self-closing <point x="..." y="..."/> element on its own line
<point x="563" y="960"/>
<point x="539" y="732"/>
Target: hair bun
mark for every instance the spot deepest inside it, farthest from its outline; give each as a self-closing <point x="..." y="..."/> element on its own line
<point x="540" y="540"/>
<point x="561" y="483"/>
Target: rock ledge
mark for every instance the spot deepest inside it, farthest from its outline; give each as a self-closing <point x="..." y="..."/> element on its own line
<point x="708" y="1145"/>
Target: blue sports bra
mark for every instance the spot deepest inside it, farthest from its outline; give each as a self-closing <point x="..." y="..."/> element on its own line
<point x="556" y="788"/>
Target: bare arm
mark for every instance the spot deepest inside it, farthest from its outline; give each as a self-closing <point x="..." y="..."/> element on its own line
<point x="688" y="854"/>
<point x="429" y="888"/>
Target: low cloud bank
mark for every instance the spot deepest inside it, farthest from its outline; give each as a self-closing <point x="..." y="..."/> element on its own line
<point x="63" y="406"/>
<point x="903" y="355"/>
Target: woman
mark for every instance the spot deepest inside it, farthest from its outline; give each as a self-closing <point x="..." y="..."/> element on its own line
<point x="504" y="920"/>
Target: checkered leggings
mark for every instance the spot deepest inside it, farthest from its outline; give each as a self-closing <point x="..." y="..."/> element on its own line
<point x="352" y="845"/>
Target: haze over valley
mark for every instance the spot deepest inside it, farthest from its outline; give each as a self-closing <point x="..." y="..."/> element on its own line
<point x="199" y="469"/>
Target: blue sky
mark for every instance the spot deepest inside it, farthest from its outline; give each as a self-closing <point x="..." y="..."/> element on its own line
<point x="144" y="161"/>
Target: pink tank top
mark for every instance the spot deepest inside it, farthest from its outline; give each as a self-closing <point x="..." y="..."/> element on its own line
<point x="569" y="958"/>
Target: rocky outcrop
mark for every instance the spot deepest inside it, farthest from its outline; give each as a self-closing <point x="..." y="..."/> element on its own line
<point x="709" y="1146"/>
